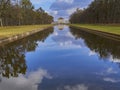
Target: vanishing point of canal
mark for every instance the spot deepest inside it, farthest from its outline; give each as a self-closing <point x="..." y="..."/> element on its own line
<point x="60" y="58"/>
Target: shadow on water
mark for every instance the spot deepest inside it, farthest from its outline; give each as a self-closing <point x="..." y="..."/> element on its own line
<point x="12" y="55"/>
<point x="103" y="46"/>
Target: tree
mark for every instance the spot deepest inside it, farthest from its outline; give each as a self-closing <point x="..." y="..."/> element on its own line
<point x="22" y="12"/>
<point x="3" y="7"/>
<point x="99" y="11"/>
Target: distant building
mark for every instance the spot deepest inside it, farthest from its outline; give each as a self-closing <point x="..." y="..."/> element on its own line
<point x="61" y="20"/>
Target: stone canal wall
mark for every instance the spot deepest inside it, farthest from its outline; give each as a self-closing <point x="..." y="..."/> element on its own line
<point x="100" y="33"/>
<point x="19" y="36"/>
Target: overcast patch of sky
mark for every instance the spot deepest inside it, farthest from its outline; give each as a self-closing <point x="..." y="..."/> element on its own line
<point x="45" y="4"/>
<point x="61" y="8"/>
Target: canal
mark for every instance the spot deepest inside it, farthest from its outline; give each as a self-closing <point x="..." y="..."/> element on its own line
<point x="60" y="58"/>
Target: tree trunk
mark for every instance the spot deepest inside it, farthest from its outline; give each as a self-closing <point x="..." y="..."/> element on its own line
<point x="19" y="22"/>
<point x="1" y="23"/>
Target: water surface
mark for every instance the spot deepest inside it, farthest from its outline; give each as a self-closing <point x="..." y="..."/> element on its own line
<point x="60" y="58"/>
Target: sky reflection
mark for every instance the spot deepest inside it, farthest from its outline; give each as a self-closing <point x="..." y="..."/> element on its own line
<point x="76" y="87"/>
<point x="60" y="58"/>
<point x="22" y="82"/>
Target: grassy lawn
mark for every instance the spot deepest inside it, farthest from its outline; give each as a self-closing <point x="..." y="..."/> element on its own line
<point x="13" y="30"/>
<point x="115" y="29"/>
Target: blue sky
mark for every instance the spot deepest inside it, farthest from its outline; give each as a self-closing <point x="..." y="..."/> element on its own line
<point x="61" y="8"/>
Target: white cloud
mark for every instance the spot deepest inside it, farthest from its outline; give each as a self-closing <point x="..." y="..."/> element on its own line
<point x="36" y="1"/>
<point x="67" y="6"/>
<point x="24" y="83"/>
<point x="70" y="11"/>
<point x="67" y="1"/>
<point x="40" y="1"/>
<point x="54" y="12"/>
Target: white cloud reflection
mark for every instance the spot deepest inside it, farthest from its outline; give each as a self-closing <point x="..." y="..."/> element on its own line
<point x="92" y="53"/>
<point x="76" y="87"/>
<point x="111" y="71"/>
<point x="67" y="40"/>
<point x="24" y="83"/>
<point x="107" y="71"/>
<point x="112" y="80"/>
<point x="62" y="40"/>
<point x="115" y="60"/>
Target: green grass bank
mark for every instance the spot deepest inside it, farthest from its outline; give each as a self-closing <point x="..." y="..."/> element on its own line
<point x="9" y="31"/>
<point x="108" y="28"/>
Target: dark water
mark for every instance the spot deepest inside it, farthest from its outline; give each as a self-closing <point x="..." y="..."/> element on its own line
<point x="60" y="59"/>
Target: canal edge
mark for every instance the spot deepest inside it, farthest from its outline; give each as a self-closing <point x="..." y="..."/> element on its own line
<point x="13" y="38"/>
<point x="99" y="33"/>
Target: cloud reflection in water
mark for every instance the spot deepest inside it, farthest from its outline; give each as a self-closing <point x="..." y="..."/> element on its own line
<point x="25" y="83"/>
<point x="76" y="87"/>
<point x="112" y="80"/>
<point x="67" y="40"/>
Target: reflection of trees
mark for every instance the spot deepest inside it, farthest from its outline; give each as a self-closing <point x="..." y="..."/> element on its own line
<point x="104" y="47"/>
<point x="12" y="56"/>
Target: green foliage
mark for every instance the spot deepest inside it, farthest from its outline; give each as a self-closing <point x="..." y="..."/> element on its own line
<point x="22" y="12"/>
<point x="115" y="29"/>
<point x="14" y="30"/>
<point x="99" y="11"/>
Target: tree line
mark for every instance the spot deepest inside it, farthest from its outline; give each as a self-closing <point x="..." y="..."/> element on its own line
<point x="22" y="12"/>
<point x="99" y="11"/>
